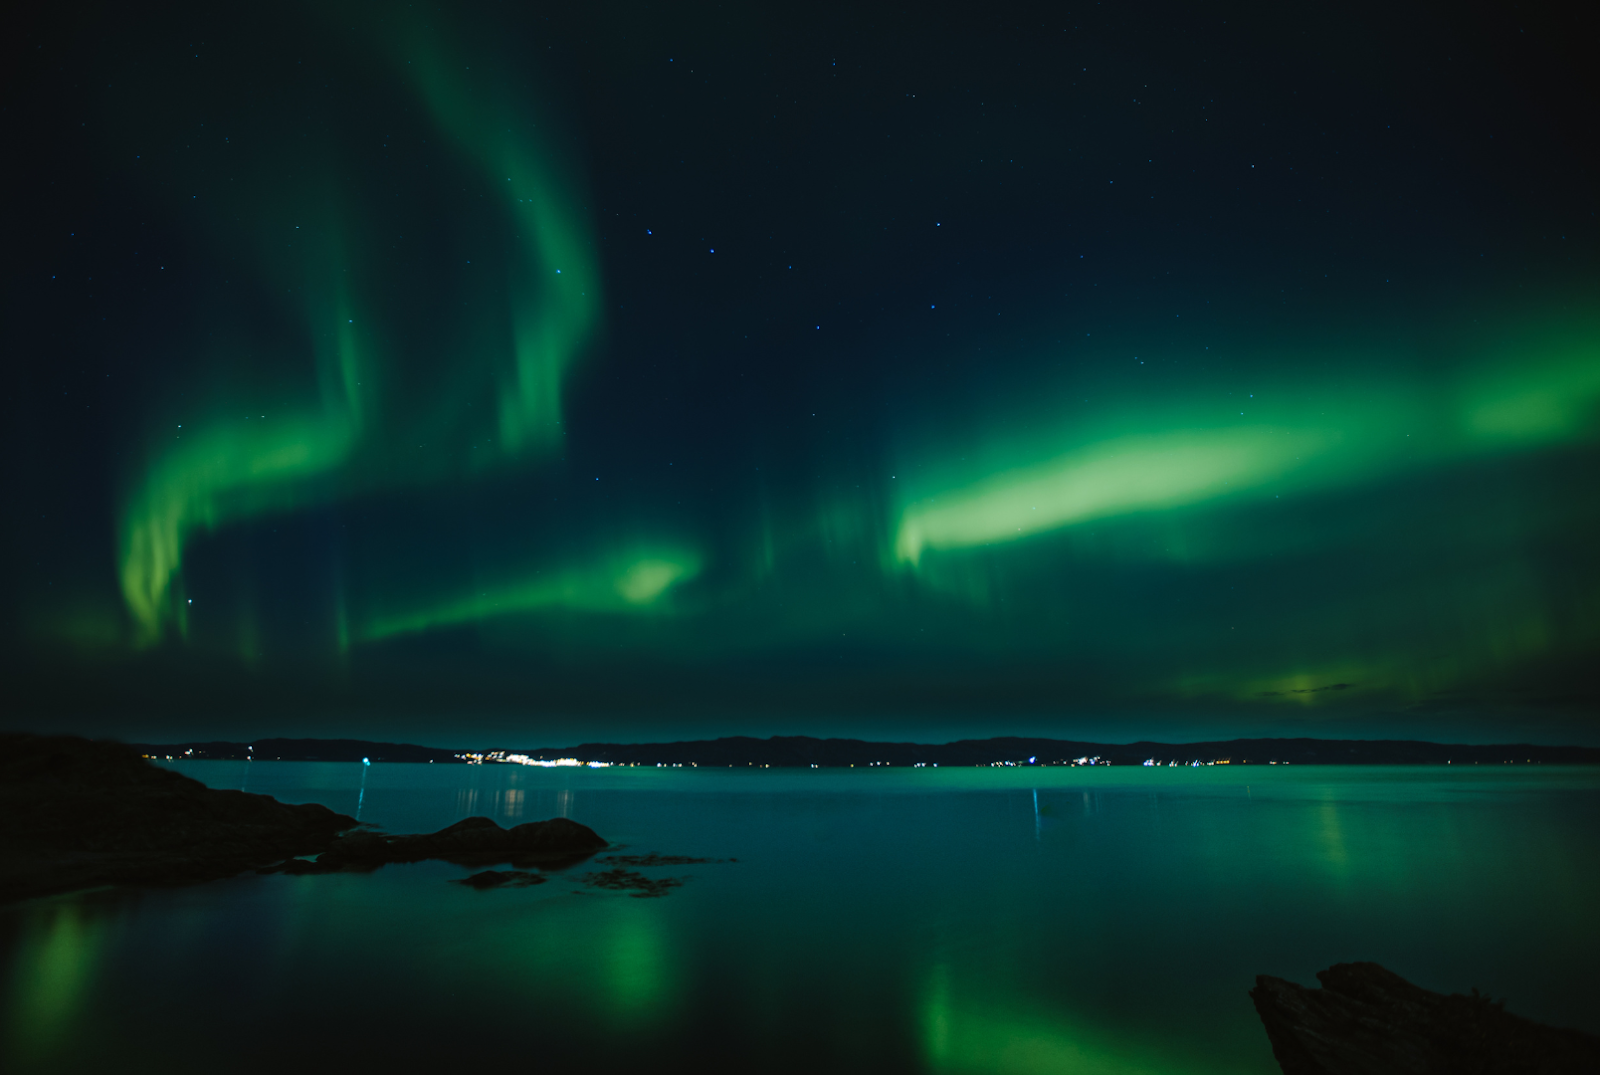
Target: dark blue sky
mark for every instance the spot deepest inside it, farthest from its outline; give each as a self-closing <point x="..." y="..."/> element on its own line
<point x="625" y="371"/>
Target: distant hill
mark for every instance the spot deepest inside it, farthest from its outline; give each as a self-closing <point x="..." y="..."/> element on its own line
<point x="299" y="750"/>
<point x="800" y="751"/>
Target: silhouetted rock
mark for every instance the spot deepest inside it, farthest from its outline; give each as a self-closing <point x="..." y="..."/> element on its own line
<point x="78" y="814"/>
<point x="501" y="879"/>
<point x="1366" y="1020"/>
<point x="475" y="841"/>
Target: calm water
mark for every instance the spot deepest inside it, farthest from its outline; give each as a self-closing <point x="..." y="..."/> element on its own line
<point x="1045" y="920"/>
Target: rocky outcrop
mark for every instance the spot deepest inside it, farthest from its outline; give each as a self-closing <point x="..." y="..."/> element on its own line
<point x="79" y="814"/>
<point x="476" y="841"/>
<point x="1366" y="1020"/>
<point x="502" y="879"/>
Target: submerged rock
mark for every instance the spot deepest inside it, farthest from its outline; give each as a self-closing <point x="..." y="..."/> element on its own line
<point x="78" y="814"/>
<point x="1366" y="1020"/>
<point x="631" y="881"/>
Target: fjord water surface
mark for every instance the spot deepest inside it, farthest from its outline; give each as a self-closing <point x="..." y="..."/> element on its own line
<point x="889" y="920"/>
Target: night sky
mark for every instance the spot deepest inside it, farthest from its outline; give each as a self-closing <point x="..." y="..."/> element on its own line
<point x="543" y="373"/>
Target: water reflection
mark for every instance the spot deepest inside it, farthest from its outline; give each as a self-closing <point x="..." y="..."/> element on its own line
<point x="1330" y="836"/>
<point x="637" y="969"/>
<point x="508" y="804"/>
<point x="997" y="1032"/>
<point x="608" y="959"/>
<point x="892" y="922"/>
<point x="53" y="971"/>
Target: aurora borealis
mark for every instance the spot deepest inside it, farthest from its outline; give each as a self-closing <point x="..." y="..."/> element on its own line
<point x="618" y="372"/>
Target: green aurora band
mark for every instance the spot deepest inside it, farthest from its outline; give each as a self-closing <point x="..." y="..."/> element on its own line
<point x="630" y="583"/>
<point x="1202" y="489"/>
<point x="235" y="468"/>
<point x="1313" y="435"/>
<point x="1253" y="513"/>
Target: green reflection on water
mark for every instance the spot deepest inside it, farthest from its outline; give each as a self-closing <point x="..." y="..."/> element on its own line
<point x="52" y="975"/>
<point x="932" y="920"/>
<point x="1330" y="833"/>
<point x="608" y="960"/>
<point x="637" y="970"/>
<point x="1004" y="1034"/>
<point x="610" y="954"/>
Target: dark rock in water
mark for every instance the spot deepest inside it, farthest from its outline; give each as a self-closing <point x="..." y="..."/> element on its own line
<point x="78" y="814"/>
<point x="1366" y="1020"/>
<point x="501" y="878"/>
<point x="476" y="841"/>
<point x="486" y="879"/>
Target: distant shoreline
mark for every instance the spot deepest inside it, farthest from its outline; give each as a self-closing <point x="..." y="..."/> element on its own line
<point x="807" y="752"/>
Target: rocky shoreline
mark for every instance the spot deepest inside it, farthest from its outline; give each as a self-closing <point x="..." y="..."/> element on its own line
<point x="1367" y="1020"/>
<point x="77" y="814"/>
<point x="473" y="841"/>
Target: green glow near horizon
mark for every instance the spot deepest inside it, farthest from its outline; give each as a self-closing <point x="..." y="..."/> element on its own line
<point x="635" y="584"/>
<point x="221" y="467"/>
